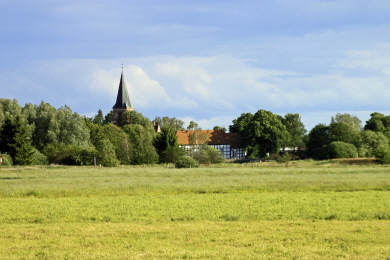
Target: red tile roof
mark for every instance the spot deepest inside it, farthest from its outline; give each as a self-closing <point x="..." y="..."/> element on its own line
<point x="215" y="137"/>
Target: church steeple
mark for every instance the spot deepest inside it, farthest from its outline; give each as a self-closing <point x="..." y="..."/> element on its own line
<point x="122" y="100"/>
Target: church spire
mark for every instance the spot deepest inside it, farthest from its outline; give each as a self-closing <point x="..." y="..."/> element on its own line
<point x="122" y="100"/>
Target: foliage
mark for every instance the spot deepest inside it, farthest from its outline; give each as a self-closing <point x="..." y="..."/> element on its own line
<point x="106" y="153"/>
<point x="186" y="162"/>
<point x="209" y="155"/>
<point x="172" y="123"/>
<point x="342" y="150"/>
<point x="109" y="118"/>
<point x="15" y="140"/>
<point x="378" y="123"/>
<point x="7" y="159"/>
<point x="370" y="141"/>
<point x="343" y="132"/>
<point x="39" y="158"/>
<point x="382" y="153"/>
<point x="285" y="158"/>
<point x="67" y="154"/>
<point x="318" y="141"/>
<point x="98" y="118"/>
<point x="296" y="129"/>
<point x="220" y="128"/>
<point x="352" y="121"/>
<point x="167" y="146"/>
<point x="262" y="132"/>
<point x="132" y="118"/>
<point x="141" y="140"/>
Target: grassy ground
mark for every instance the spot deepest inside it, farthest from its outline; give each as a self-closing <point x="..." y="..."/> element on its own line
<point x="311" y="210"/>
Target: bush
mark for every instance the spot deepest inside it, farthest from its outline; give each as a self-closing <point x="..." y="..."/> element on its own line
<point x="210" y="154"/>
<point x="382" y="153"/>
<point x="186" y="162"/>
<point x="285" y="158"/>
<point x="341" y="150"/>
<point x="7" y="160"/>
<point x="39" y="158"/>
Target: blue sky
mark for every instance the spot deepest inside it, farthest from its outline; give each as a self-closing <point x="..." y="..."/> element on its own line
<point x="207" y="61"/>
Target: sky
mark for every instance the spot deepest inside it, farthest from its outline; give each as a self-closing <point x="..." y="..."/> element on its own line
<point x="202" y="60"/>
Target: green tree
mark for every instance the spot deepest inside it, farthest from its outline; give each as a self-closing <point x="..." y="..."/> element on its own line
<point x="172" y="123"/>
<point x="262" y="133"/>
<point x="167" y="146"/>
<point x="98" y="118"/>
<point x="344" y="132"/>
<point x="354" y="122"/>
<point x="9" y="108"/>
<point x="220" y="128"/>
<point x="106" y="153"/>
<point x="296" y="129"/>
<point x="16" y="141"/>
<point x="318" y="141"/>
<point x="132" y="118"/>
<point x="141" y="139"/>
<point x="109" y="118"/>
<point x="45" y="114"/>
<point x="370" y="141"/>
<point x="378" y="123"/>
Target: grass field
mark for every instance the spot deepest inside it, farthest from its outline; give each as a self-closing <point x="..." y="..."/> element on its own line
<point x="310" y="210"/>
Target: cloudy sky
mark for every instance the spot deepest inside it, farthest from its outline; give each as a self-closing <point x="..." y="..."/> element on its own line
<point x="202" y="60"/>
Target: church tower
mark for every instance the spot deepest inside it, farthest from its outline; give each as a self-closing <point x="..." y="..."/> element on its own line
<point x="122" y="101"/>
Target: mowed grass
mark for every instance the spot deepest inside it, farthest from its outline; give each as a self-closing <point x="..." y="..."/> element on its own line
<point x="254" y="211"/>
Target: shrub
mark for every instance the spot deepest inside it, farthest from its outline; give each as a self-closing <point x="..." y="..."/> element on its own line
<point x="7" y="160"/>
<point x="39" y="158"/>
<point x="210" y="154"/>
<point x="186" y="162"/>
<point x="341" y="150"/>
<point x="285" y="158"/>
<point x="382" y="153"/>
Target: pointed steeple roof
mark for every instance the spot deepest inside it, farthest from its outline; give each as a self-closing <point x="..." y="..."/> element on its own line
<point x="122" y="100"/>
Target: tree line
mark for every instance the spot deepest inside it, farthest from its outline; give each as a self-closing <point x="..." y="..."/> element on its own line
<point x="42" y="134"/>
<point x="265" y="133"/>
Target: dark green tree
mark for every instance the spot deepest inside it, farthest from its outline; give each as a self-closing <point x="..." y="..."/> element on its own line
<point x="318" y="141"/>
<point x="167" y="146"/>
<point x="16" y="141"/>
<point x="109" y="117"/>
<point x="378" y="123"/>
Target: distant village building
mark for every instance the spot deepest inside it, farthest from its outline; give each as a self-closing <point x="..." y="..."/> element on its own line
<point x="122" y="101"/>
<point x="229" y="144"/>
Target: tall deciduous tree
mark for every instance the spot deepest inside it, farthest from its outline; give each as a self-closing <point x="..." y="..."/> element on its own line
<point x="132" y="118"/>
<point x="141" y="139"/>
<point x="173" y="123"/>
<point x="296" y="129"/>
<point x="262" y="132"/>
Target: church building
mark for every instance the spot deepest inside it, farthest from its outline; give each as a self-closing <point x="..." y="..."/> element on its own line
<point x="122" y="101"/>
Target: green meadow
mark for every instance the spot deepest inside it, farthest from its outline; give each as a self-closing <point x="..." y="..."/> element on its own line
<point x="309" y="210"/>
